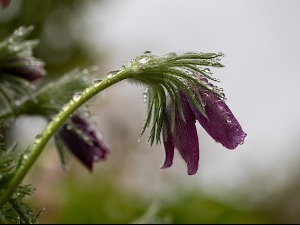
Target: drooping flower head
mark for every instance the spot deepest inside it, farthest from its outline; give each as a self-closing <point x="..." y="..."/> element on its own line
<point x="82" y="139"/>
<point x="179" y="94"/>
<point x="219" y="123"/>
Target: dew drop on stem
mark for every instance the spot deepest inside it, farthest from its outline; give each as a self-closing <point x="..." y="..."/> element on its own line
<point x="110" y="74"/>
<point x="97" y="81"/>
<point x="76" y="96"/>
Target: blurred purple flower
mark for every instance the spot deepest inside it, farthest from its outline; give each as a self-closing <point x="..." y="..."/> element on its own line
<point x="220" y="124"/>
<point x="4" y="3"/>
<point x="84" y="141"/>
<point x="26" y="68"/>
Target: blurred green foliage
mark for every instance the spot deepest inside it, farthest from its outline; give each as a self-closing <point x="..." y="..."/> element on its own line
<point x="101" y="200"/>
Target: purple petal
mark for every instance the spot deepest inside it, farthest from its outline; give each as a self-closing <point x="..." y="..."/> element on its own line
<point x="185" y="136"/>
<point x="95" y="137"/>
<point x="29" y="69"/>
<point x="169" y="146"/>
<point x="89" y="146"/>
<point x="221" y="124"/>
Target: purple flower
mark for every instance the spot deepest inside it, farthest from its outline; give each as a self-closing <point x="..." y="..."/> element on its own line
<point x="84" y="141"/>
<point x="26" y="68"/>
<point x="4" y="3"/>
<point x="220" y="124"/>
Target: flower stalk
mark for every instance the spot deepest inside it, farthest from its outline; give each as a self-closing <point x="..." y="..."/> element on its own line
<point x="179" y="92"/>
<point x="32" y="155"/>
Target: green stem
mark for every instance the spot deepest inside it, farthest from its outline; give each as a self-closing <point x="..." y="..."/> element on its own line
<point x="53" y="126"/>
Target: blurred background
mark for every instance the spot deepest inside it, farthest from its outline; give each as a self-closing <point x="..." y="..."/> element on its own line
<point x="256" y="183"/>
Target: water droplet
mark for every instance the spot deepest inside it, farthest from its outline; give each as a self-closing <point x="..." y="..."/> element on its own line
<point x="204" y="80"/>
<point x="69" y="127"/>
<point x="76" y="96"/>
<point x="16" y="48"/>
<point x="19" y="32"/>
<point x="210" y="85"/>
<point x="38" y="136"/>
<point x="144" y="60"/>
<point x="85" y="71"/>
<point x="145" y="95"/>
<point x="139" y="140"/>
<point x="25" y="156"/>
<point x="97" y="81"/>
<point x="207" y="70"/>
<point x="172" y="54"/>
<point x="51" y="85"/>
<point x="86" y="114"/>
<point x="111" y="73"/>
<point x="10" y="40"/>
<point x="145" y="98"/>
<point x="85" y="78"/>
<point x="17" y="102"/>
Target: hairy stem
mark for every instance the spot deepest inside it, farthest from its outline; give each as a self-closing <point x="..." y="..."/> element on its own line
<point x="39" y="144"/>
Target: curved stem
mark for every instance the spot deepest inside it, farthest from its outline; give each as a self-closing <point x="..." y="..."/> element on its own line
<point x="53" y="126"/>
